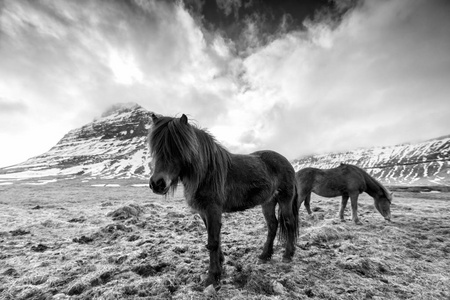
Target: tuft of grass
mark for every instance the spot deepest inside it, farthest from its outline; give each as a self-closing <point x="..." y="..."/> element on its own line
<point x="326" y="233"/>
<point x="126" y="212"/>
<point x="363" y="266"/>
<point x="36" y="279"/>
<point x="77" y="288"/>
<point x="252" y="280"/>
<point x="146" y="270"/>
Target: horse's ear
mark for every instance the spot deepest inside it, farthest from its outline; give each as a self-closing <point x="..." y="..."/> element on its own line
<point x="154" y="117"/>
<point x="184" y="119"/>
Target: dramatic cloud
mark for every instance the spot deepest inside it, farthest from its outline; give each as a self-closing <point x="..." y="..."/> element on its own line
<point x="379" y="78"/>
<point x="375" y="74"/>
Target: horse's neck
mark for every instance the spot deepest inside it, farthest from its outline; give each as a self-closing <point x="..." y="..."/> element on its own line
<point x="373" y="188"/>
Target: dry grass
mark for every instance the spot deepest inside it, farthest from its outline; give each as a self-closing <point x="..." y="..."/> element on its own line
<point x="69" y="240"/>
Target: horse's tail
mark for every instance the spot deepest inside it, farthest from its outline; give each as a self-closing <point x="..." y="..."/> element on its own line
<point x="295" y="209"/>
<point x="283" y="219"/>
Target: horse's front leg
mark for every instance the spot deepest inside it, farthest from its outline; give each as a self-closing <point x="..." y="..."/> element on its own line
<point x="222" y="257"/>
<point x="354" y="200"/>
<point x="213" y="216"/>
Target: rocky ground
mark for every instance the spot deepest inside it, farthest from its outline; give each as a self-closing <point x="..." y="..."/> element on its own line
<point x="116" y="240"/>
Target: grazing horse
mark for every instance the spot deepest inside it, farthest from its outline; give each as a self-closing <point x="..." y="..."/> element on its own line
<point x="346" y="181"/>
<point x="217" y="181"/>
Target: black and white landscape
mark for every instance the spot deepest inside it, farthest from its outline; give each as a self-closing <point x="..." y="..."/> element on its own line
<point x="323" y="82"/>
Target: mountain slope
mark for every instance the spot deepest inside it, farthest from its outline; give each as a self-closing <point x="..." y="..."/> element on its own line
<point x="113" y="146"/>
<point x="425" y="163"/>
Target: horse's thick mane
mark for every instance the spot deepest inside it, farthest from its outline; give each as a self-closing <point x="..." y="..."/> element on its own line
<point x="386" y="192"/>
<point x="204" y="161"/>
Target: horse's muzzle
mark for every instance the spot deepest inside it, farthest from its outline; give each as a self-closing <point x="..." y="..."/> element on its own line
<point x="159" y="186"/>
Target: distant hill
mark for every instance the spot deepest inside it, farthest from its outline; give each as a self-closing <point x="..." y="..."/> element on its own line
<point x="425" y="163"/>
<point x="115" y="146"/>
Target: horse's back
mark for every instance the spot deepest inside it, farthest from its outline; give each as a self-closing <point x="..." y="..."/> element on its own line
<point x="275" y="162"/>
<point x="277" y="168"/>
<point x="306" y="173"/>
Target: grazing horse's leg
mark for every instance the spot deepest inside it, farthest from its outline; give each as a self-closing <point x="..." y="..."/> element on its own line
<point x="307" y="201"/>
<point x="343" y="205"/>
<point x="354" y="200"/>
<point x="213" y="216"/>
<point x="268" y="210"/>
<point x="305" y="196"/>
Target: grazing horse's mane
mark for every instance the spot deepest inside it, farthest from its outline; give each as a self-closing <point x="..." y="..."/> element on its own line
<point x="203" y="159"/>
<point x="386" y="192"/>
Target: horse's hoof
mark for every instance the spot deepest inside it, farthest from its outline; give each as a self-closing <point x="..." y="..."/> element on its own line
<point x="210" y="290"/>
<point x="211" y="280"/>
<point x="263" y="261"/>
<point x="342" y="220"/>
<point x="264" y="257"/>
<point x="358" y="222"/>
<point x="287" y="259"/>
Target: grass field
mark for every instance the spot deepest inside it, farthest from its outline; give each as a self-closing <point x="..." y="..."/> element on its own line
<point x="72" y="240"/>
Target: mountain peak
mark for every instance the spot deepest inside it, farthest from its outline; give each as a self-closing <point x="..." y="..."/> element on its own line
<point x="112" y="146"/>
<point x="121" y="108"/>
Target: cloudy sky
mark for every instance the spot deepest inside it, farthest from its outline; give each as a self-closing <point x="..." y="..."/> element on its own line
<point x="299" y="77"/>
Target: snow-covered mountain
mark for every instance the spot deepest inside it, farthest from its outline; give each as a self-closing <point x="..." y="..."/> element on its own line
<point x="115" y="146"/>
<point x="424" y="163"/>
<point x="112" y="146"/>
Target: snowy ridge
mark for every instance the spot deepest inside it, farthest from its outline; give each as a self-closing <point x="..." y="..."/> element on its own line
<point x="425" y="163"/>
<point x="115" y="146"/>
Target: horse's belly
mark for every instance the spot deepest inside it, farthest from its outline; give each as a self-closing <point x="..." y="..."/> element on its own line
<point x="249" y="200"/>
<point x="231" y="209"/>
<point x="327" y="191"/>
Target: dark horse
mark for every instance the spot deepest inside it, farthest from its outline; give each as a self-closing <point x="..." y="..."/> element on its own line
<point x="346" y="181"/>
<point x="217" y="181"/>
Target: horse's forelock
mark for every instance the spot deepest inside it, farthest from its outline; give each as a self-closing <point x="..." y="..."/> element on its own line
<point x="157" y="137"/>
<point x="184" y="139"/>
<point x="170" y="138"/>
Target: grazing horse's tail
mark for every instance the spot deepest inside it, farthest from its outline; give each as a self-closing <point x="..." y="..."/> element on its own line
<point x="283" y="220"/>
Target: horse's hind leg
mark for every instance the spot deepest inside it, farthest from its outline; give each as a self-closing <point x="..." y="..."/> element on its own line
<point x="288" y="228"/>
<point x="342" y="208"/>
<point x="305" y="197"/>
<point x="307" y="202"/>
<point x="354" y="200"/>
<point x="268" y="210"/>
